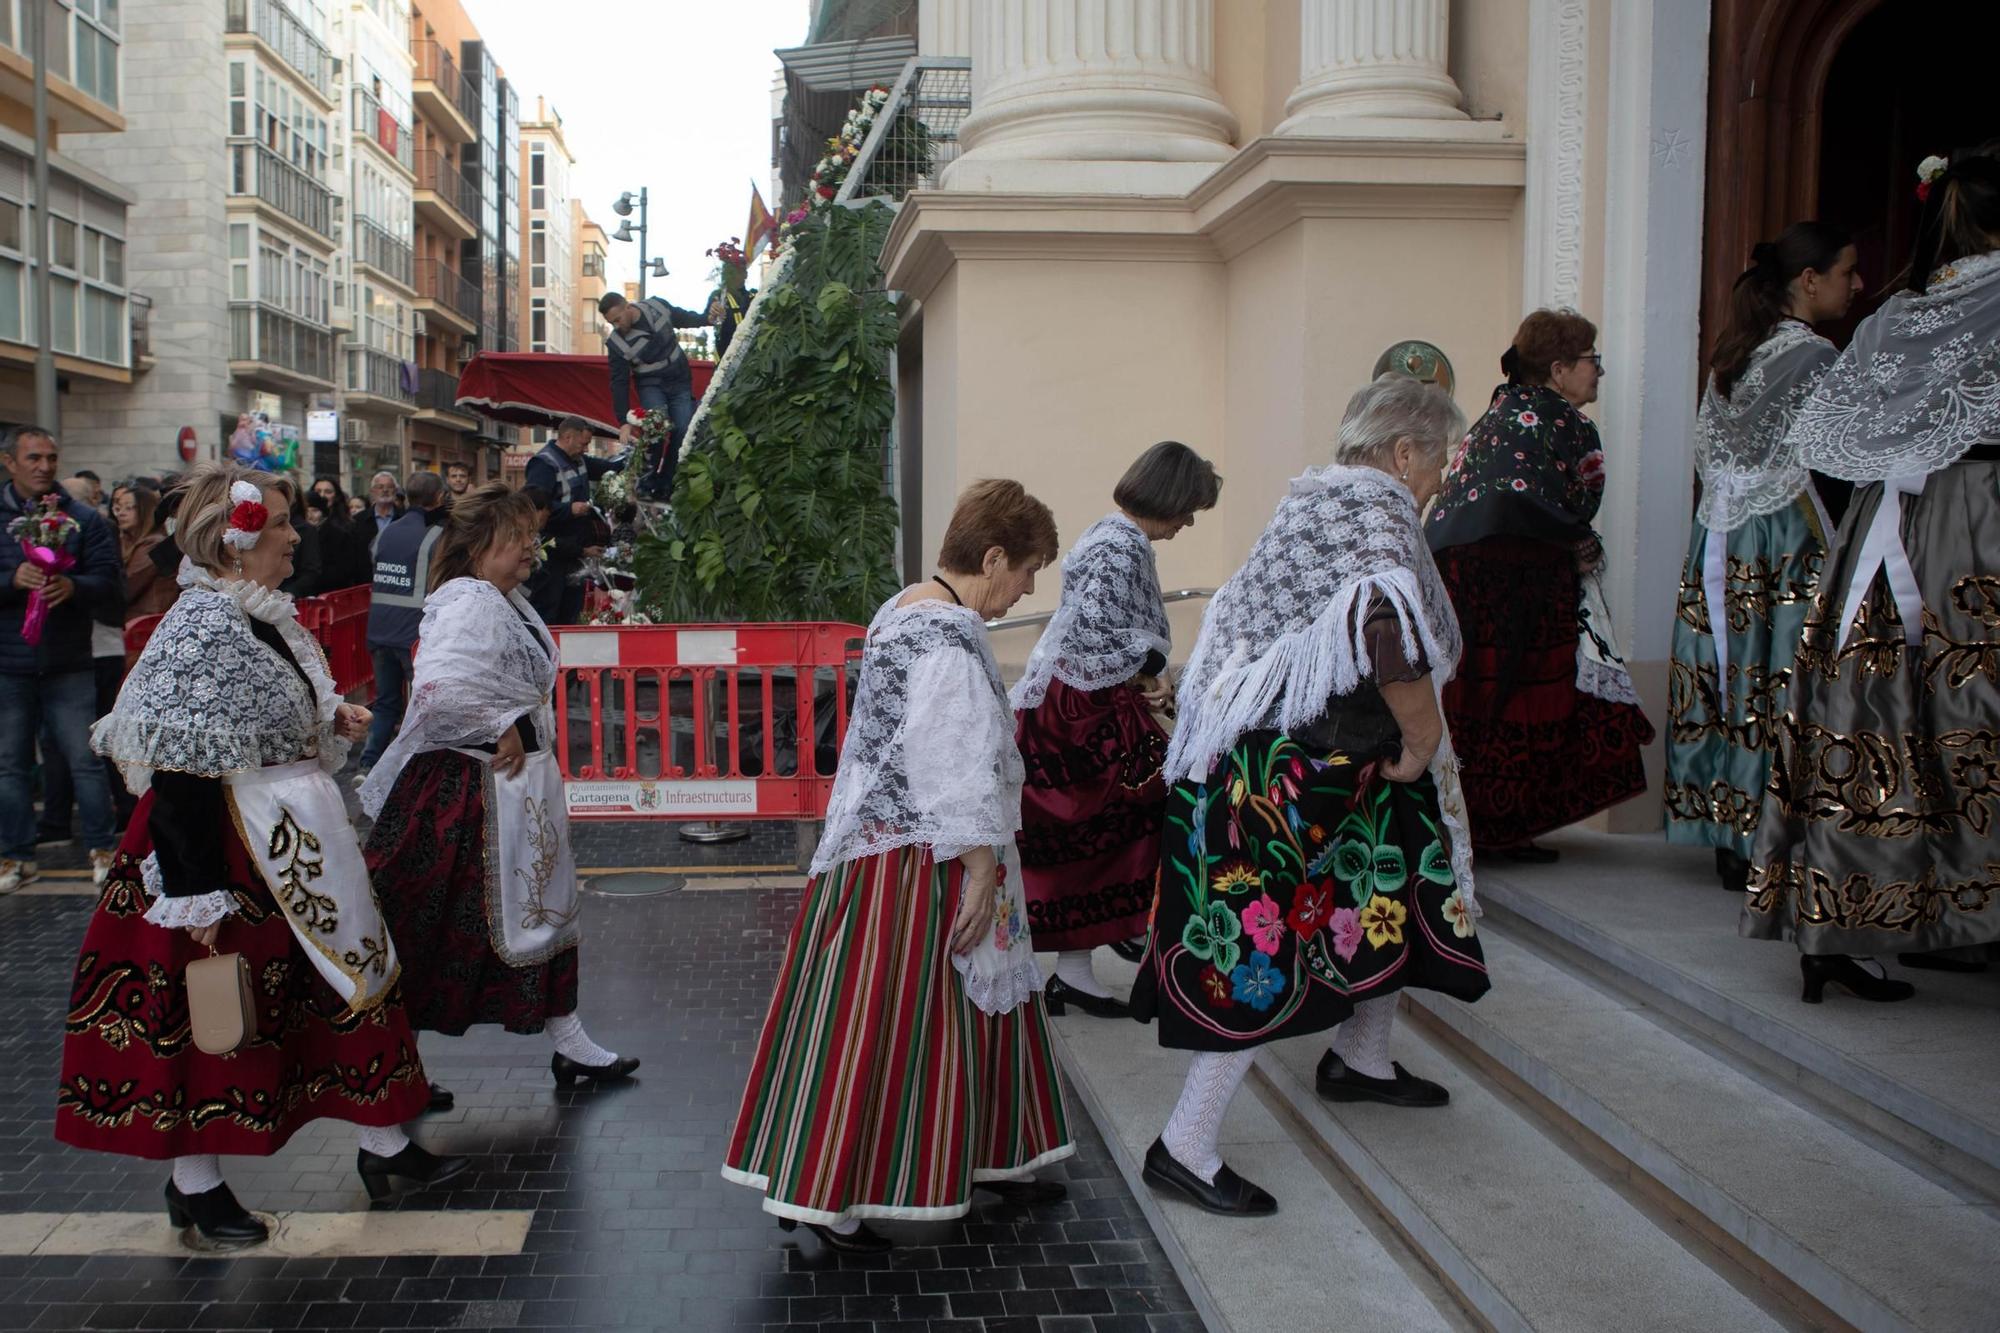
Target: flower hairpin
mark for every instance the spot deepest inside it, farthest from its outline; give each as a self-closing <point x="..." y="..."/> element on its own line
<point x="1929" y="172"/>
<point x="247" y="516"/>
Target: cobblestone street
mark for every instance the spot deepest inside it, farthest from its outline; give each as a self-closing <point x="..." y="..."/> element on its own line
<point x="606" y="1206"/>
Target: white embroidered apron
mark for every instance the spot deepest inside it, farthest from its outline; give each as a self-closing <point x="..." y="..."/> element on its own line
<point x="1000" y="971"/>
<point x="294" y="825"/>
<point x="532" y="902"/>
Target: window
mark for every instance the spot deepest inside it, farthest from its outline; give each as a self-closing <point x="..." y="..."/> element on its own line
<point x="239" y="261"/>
<point x="538" y="325"/>
<point x="538" y="254"/>
<point x="10" y="219"/>
<point x="94" y="61"/>
<point x="62" y="321"/>
<point x="63" y="241"/>
<point x="12" y="326"/>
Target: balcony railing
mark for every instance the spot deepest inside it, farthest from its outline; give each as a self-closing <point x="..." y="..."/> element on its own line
<point x="435" y="65"/>
<point x="257" y="171"/>
<point x="439" y="282"/>
<point x="377" y="374"/>
<point x="438" y="392"/>
<point x="276" y="26"/>
<point x="382" y="252"/>
<point x="373" y="122"/>
<point x="274" y="337"/>
<point x="436" y="173"/>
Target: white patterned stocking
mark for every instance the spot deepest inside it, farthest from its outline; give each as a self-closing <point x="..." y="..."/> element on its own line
<point x="1362" y="1042"/>
<point x="1195" y="1128"/>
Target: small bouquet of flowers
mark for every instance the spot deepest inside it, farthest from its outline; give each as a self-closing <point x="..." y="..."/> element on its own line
<point x="650" y="430"/>
<point x="45" y="537"/>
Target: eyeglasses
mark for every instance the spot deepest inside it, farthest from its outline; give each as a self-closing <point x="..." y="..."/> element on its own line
<point x="1595" y="359"/>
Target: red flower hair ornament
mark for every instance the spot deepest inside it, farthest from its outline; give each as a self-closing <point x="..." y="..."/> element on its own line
<point x="247" y="516"/>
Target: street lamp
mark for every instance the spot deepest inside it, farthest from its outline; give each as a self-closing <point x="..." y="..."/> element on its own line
<point x="623" y="207"/>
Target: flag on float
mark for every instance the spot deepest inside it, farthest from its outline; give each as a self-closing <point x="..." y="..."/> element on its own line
<point x="757" y="233"/>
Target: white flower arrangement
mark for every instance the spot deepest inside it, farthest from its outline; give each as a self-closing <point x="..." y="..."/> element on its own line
<point x="1931" y="168"/>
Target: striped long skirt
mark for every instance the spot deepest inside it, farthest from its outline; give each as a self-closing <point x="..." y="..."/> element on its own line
<point x="878" y="1089"/>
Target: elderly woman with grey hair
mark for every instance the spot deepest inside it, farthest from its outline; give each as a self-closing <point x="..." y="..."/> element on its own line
<point x="1315" y="860"/>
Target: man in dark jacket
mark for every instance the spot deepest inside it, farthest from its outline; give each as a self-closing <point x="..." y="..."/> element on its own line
<point x="396" y="604"/>
<point x="52" y="684"/>
<point x="563" y="471"/>
<point x="648" y="359"/>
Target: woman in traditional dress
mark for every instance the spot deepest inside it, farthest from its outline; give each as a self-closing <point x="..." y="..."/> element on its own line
<point x="1879" y="828"/>
<point x="1543" y="711"/>
<point x="1315" y="859"/>
<point x="905" y="1058"/>
<point x="1759" y="531"/>
<point x="1090" y="813"/>
<point x="470" y="851"/>
<point x="230" y="727"/>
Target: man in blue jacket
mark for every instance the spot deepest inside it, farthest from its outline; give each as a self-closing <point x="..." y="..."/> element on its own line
<point x="562" y="473"/>
<point x="647" y="357"/>
<point x="403" y="554"/>
<point x="51" y="685"/>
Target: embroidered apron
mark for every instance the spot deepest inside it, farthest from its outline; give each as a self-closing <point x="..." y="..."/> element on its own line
<point x="1000" y="972"/>
<point x="532" y="903"/>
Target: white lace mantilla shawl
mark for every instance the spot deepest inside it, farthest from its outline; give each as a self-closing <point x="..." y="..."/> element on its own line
<point x="1917" y="387"/>
<point x="207" y="698"/>
<point x="1110" y="616"/>
<point x="1748" y="466"/>
<point x="479" y="667"/>
<point x="930" y="756"/>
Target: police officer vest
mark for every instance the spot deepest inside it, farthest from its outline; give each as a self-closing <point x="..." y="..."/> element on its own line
<point x="402" y="577"/>
<point x="651" y="346"/>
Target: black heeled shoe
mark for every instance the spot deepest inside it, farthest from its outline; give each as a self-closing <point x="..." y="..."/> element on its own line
<point x="1837" y="969"/>
<point x="858" y="1241"/>
<point x="224" y="1223"/>
<point x="379" y="1173"/>
<point x="1732" y="870"/>
<point x="1025" y="1193"/>
<point x="1229" y="1194"/>
<point x="1132" y="951"/>
<point x="1058" y="995"/>
<point x="568" y="1071"/>
<point x="441" y="1099"/>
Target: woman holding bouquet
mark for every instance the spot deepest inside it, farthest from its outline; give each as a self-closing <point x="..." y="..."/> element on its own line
<point x="470" y="852"/>
<point x="1090" y="813"/>
<point x="230" y="727"/>
<point x="905" y="1058"/>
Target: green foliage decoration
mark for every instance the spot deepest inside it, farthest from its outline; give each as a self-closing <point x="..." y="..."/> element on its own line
<point x="779" y="508"/>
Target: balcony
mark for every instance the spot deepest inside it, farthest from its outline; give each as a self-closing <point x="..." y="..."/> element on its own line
<point x="274" y="347"/>
<point x="375" y="248"/>
<point x="374" y="125"/>
<point x="257" y="172"/>
<point x="437" y="400"/>
<point x="289" y="40"/>
<point x="375" y="381"/>
<point x="443" y="95"/>
<point x="444" y="294"/>
<point x="445" y="199"/>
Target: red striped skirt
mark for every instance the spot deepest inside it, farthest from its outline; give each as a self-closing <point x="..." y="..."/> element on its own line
<point x="878" y="1089"/>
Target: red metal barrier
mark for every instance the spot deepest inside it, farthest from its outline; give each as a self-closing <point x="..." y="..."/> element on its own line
<point x="338" y="620"/>
<point x="703" y="721"/>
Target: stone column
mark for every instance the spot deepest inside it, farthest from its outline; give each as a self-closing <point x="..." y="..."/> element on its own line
<point x="1371" y="60"/>
<point x="944" y="27"/>
<point x="1101" y="96"/>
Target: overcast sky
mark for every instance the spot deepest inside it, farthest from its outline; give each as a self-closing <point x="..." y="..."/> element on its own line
<point x="674" y="95"/>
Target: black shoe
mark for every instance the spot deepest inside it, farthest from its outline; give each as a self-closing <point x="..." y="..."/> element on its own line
<point x="1026" y="1193"/>
<point x="1337" y="1083"/>
<point x="858" y="1241"/>
<point x="441" y="1098"/>
<point x="1132" y="951"/>
<point x="1059" y="995"/>
<point x="1941" y="962"/>
<point x="1531" y="853"/>
<point x="413" y="1163"/>
<point x="1822" y="969"/>
<point x="568" y="1071"/>
<point x="1732" y="870"/>
<point x="1230" y="1194"/>
<point x="222" y="1222"/>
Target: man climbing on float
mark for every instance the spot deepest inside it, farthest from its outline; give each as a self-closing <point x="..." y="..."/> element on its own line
<point x="646" y="356"/>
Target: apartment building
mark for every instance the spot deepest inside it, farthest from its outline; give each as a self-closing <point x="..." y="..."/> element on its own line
<point x="592" y="254"/>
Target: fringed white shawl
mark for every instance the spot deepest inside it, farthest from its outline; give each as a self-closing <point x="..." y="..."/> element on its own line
<point x="1110" y="616"/>
<point x="1287" y="632"/>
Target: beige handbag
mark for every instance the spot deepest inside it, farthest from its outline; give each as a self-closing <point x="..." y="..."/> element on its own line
<point x="221" y="1009"/>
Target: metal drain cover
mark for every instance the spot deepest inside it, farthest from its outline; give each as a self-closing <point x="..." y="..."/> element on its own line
<point x="634" y="884"/>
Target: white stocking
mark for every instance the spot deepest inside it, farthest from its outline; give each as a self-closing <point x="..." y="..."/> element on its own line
<point x="1073" y="968"/>
<point x="197" y="1175"/>
<point x="384" y="1142"/>
<point x="1195" y="1127"/>
<point x="846" y="1226"/>
<point x="566" y="1031"/>
<point x="1362" y="1042"/>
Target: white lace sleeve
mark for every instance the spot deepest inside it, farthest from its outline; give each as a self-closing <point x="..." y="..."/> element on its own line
<point x="201" y="909"/>
<point x="956" y="752"/>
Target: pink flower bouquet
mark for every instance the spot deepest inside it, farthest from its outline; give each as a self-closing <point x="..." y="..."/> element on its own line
<point x="44" y="537"/>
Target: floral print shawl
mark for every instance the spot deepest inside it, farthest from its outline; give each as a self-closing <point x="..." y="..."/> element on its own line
<point x="1531" y="466"/>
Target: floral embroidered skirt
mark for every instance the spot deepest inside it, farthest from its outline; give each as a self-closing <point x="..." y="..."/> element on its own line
<point x="1881" y="827"/>
<point x="133" y="1081"/>
<point x="878" y="1088"/>
<point x="1536" y="753"/>
<point x="1293" y="886"/>
<point x="427" y="856"/>
<point x="1090" y="814"/>
<point x="1720" y="744"/>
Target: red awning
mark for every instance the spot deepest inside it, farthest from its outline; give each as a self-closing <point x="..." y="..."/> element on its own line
<point x="541" y="388"/>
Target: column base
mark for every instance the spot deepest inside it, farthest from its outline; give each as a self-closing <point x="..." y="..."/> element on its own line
<point x="1037" y="175"/>
<point x="1321" y="125"/>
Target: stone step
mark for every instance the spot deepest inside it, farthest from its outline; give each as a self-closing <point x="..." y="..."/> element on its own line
<point x="1810" y="1199"/>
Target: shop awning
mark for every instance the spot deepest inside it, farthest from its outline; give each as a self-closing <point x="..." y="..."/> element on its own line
<point x="541" y="388"/>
